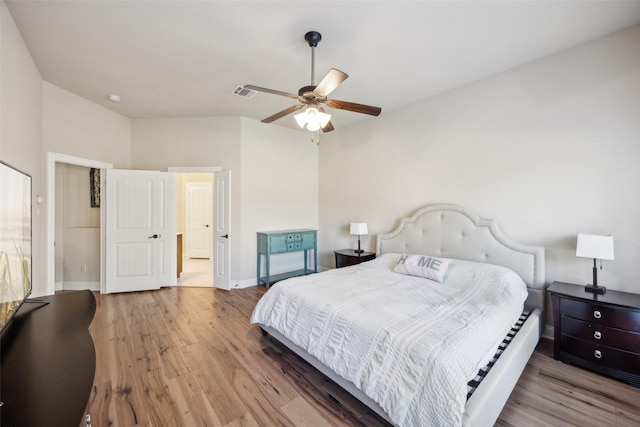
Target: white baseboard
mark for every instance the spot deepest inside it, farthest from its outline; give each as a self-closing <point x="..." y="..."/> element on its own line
<point x="240" y="284"/>
<point x="77" y="286"/>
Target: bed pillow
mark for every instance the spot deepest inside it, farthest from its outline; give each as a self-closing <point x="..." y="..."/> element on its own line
<point x="422" y="266"/>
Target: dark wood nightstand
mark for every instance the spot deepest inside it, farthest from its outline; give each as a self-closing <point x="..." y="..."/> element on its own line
<point x="597" y="332"/>
<point x="347" y="257"/>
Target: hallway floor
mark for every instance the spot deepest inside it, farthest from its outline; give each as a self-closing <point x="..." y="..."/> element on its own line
<point x="196" y="272"/>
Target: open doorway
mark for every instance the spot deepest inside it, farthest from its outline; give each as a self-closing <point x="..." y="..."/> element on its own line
<point x="82" y="270"/>
<point x="195" y="218"/>
<point x="77" y="230"/>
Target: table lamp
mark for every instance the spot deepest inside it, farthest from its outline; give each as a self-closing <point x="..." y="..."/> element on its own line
<point x="595" y="246"/>
<point x="359" y="229"/>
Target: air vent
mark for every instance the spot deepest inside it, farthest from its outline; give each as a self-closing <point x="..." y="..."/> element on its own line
<point x="245" y="93"/>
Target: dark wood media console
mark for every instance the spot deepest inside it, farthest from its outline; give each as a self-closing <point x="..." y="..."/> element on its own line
<point x="48" y="362"/>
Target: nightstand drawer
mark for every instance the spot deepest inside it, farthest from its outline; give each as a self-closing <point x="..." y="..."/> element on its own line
<point x="601" y="314"/>
<point x="601" y="355"/>
<point x="348" y="257"/>
<point x="601" y="335"/>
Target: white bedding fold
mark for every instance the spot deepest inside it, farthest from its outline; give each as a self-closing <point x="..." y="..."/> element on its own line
<point x="409" y="343"/>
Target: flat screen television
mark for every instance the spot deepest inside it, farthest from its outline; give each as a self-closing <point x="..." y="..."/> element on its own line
<point x="15" y="241"/>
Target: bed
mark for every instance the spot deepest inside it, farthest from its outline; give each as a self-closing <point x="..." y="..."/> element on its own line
<point x="419" y="351"/>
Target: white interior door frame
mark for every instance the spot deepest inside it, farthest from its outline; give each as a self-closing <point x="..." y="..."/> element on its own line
<point x="205" y="169"/>
<point x="50" y="215"/>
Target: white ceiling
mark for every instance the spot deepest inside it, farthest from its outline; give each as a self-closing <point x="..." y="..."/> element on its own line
<point x="184" y="58"/>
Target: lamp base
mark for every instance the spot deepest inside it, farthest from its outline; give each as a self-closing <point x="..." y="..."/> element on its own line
<point x="595" y="289"/>
<point x="358" y="251"/>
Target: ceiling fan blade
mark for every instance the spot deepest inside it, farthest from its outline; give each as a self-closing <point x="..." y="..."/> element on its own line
<point x="282" y="113"/>
<point x="332" y="80"/>
<point x="351" y="106"/>
<point x="274" y="92"/>
<point x="328" y="127"/>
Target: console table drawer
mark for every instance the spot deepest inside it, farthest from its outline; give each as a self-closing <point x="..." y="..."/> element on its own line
<point x="604" y="356"/>
<point x="287" y="242"/>
<point x="601" y="314"/>
<point x="295" y="246"/>
<point x="294" y="237"/>
<point x="601" y="335"/>
<point x="308" y="241"/>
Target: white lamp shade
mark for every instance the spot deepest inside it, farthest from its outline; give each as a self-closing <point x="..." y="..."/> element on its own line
<point x="301" y="118"/>
<point x="595" y="246"/>
<point x="312" y="118"/>
<point x="358" y="228"/>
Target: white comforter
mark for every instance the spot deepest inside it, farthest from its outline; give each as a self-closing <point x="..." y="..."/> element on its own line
<point x="409" y="343"/>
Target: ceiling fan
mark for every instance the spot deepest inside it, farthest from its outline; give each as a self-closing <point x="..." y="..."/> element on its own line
<point x="312" y="97"/>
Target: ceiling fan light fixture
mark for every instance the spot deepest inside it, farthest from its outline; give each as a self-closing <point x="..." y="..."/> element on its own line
<point x="312" y="97"/>
<point x="312" y="119"/>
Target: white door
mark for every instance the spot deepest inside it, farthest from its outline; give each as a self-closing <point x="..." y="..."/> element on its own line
<point x="222" y="229"/>
<point x="199" y="221"/>
<point x="139" y="230"/>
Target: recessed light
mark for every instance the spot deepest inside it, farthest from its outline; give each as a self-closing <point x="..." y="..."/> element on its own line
<point x="114" y="98"/>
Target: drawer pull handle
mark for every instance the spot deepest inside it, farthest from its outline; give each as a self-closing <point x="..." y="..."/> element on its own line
<point x="597" y="354"/>
<point x="597" y="314"/>
<point x="597" y="335"/>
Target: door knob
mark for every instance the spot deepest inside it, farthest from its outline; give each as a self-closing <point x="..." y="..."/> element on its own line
<point x="226" y="236"/>
<point x="155" y="236"/>
<point x="206" y="225"/>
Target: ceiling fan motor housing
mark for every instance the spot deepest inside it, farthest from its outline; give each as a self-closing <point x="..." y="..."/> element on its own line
<point x="306" y="94"/>
<point x="313" y="38"/>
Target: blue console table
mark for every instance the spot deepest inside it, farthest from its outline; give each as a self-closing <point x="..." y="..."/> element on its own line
<point x="284" y="241"/>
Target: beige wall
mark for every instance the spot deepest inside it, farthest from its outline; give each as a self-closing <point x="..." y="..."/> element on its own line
<point x="264" y="193"/>
<point x="76" y="127"/>
<point x="549" y="149"/>
<point x="80" y="128"/>
<point x="279" y="190"/>
<point x="189" y="142"/>
<point x="36" y="117"/>
<point x="21" y="127"/>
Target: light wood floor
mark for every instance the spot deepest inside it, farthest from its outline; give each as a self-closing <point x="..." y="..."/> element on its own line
<point x="189" y="357"/>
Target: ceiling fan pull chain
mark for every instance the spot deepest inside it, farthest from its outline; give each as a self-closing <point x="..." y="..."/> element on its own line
<point x="315" y="137"/>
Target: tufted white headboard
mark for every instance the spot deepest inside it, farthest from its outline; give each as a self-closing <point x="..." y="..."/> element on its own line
<point x="452" y="231"/>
